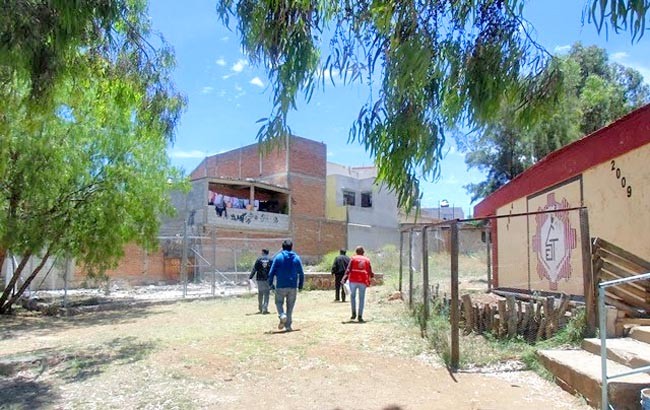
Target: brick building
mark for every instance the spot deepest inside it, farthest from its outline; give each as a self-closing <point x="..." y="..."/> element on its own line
<point x="269" y="195"/>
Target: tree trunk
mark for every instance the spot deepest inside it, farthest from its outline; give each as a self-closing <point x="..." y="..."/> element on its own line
<point x="29" y="280"/>
<point x="3" y="256"/>
<point x="12" y="282"/>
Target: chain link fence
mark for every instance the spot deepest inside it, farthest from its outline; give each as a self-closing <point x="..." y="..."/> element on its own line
<point x="518" y="276"/>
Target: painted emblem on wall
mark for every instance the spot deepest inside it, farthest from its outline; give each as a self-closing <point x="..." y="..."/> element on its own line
<point x="553" y="241"/>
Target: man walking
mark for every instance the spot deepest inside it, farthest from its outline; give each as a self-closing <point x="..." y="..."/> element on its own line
<point x="359" y="272"/>
<point x="261" y="269"/>
<point x="286" y="269"/>
<point x="338" y="270"/>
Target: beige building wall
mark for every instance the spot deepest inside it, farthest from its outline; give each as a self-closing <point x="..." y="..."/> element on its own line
<point x="617" y="194"/>
<point x="512" y="263"/>
<point x="333" y="210"/>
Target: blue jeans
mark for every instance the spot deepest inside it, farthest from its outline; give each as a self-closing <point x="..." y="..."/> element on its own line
<point x="263" y="293"/>
<point x="353" y="297"/>
<point x="290" y="295"/>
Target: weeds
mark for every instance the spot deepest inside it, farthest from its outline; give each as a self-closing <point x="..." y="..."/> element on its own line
<point x="487" y="350"/>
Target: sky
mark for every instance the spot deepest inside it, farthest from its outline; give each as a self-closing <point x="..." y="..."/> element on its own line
<point x="227" y="95"/>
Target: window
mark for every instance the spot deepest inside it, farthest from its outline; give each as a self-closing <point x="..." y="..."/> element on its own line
<point x="348" y="198"/>
<point x="366" y="199"/>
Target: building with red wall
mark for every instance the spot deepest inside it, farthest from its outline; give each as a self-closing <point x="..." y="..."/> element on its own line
<point x="606" y="173"/>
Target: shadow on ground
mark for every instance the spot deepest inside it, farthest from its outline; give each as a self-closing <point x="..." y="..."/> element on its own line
<point x="35" y="324"/>
<point x="23" y="393"/>
<point x="93" y="360"/>
<point x="73" y="365"/>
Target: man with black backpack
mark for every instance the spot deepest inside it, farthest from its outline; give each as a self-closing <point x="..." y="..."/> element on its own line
<point x="261" y="269"/>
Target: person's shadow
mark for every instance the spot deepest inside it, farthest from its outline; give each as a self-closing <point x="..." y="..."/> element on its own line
<point x="355" y="322"/>
<point x="281" y="332"/>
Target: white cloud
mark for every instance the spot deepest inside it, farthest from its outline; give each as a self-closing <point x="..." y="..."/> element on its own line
<point x="225" y="38"/>
<point x="562" y="49"/>
<point x="189" y="154"/>
<point x="621" y="55"/>
<point x="239" y="66"/>
<point x="451" y="180"/>
<point x="207" y="90"/>
<point x="227" y="76"/>
<point x="238" y="88"/>
<point x="221" y="62"/>
<point x="257" y="82"/>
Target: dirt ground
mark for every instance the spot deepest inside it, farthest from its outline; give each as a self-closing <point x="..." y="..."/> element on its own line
<point x="220" y="354"/>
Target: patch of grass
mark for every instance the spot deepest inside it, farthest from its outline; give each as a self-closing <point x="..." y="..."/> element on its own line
<point x="485" y="350"/>
<point x="325" y="264"/>
<point x="384" y="260"/>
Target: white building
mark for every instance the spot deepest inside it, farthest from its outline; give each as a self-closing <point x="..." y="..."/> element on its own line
<point x="369" y="209"/>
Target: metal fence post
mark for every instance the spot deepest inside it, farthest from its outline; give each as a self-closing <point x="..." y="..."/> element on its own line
<point x="602" y="316"/>
<point x="401" y="263"/>
<point x="214" y="262"/>
<point x="411" y="268"/>
<point x="588" y="277"/>
<point x="488" y="243"/>
<point x="454" y="314"/>
<point x="184" y="260"/>
<point x="425" y="275"/>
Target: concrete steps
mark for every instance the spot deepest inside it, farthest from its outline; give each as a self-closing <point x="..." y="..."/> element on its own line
<point x="626" y="351"/>
<point x="579" y="371"/>
<point x="641" y="333"/>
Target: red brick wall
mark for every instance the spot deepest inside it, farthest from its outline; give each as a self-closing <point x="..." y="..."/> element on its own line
<point x="308" y="157"/>
<point x="138" y="267"/>
<point x="245" y="162"/>
<point x="307" y="196"/>
<point x="314" y="237"/>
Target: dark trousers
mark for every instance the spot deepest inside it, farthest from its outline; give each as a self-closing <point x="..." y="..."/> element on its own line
<point x="339" y="287"/>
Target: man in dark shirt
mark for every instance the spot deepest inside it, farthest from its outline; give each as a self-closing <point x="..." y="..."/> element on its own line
<point x="338" y="270"/>
<point x="261" y="269"/>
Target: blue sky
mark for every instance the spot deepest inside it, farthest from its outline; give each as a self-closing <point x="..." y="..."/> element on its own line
<point x="226" y="95"/>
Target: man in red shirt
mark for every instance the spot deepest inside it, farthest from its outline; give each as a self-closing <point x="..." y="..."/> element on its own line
<point x="359" y="272"/>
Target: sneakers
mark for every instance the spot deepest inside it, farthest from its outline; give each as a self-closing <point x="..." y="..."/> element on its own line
<point x="354" y="316"/>
<point x="283" y="321"/>
<point x="266" y="312"/>
<point x="361" y="320"/>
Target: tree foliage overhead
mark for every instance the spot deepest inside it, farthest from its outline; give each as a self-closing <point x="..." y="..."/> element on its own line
<point x="437" y="64"/>
<point x="595" y="93"/>
<point x="83" y="163"/>
<point x="432" y="66"/>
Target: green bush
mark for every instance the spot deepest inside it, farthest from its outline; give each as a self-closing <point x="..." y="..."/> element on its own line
<point x="245" y="260"/>
<point x="325" y="264"/>
<point x="385" y="260"/>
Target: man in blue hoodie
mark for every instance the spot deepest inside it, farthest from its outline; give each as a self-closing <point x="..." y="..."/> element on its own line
<point x="286" y="269"/>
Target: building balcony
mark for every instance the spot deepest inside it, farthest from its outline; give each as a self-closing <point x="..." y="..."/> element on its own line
<point x="247" y="219"/>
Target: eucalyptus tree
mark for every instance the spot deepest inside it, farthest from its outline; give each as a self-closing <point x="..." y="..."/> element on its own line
<point x="83" y="163"/>
<point x="595" y="92"/>
<point x="431" y="66"/>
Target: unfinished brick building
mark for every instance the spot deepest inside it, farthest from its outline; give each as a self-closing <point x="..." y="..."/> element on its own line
<point x="269" y="196"/>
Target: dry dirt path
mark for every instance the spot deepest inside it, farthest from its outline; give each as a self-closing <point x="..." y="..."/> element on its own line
<point x="217" y="354"/>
